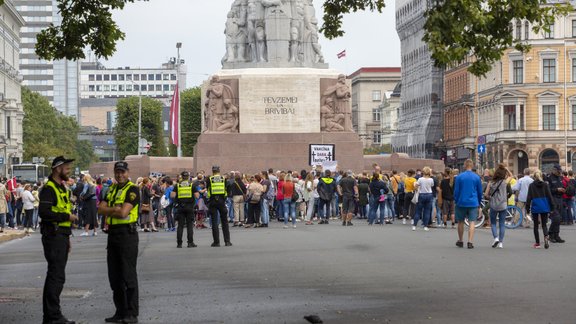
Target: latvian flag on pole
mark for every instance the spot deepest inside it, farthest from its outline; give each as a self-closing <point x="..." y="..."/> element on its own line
<point x="341" y="54"/>
<point x="174" y="127"/>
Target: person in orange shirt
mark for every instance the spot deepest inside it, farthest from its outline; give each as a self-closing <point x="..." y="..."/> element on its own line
<point x="409" y="207"/>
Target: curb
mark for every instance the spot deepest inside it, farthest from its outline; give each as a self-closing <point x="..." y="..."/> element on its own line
<point x="11" y="236"/>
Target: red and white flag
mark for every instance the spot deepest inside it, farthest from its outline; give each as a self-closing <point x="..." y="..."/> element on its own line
<point x="174" y="126"/>
<point x="341" y="54"/>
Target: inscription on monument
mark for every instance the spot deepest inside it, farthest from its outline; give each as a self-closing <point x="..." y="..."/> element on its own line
<point x="280" y="105"/>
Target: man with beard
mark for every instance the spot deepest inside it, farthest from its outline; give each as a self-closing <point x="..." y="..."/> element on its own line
<point x="121" y="209"/>
<point x="56" y="212"/>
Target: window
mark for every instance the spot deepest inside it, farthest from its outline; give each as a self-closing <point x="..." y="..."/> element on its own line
<point x="128" y="77"/>
<point x="377" y="137"/>
<point x="106" y="77"/>
<point x="165" y="77"/>
<point x="376" y="114"/>
<point x="549" y="34"/>
<point x="521" y="117"/>
<point x="166" y="87"/>
<point x="158" y="77"/>
<point x="158" y="87"/>
<point x="510" y="117"/>
<point x="114" y="77"/>
<point x="173" y="77"/>
<point x="136" y="87"/>
<point x="150" y="77"/>
<point x="573" y="28"/>
<point x="574" y="118"/>
<point x="99" y="77"/>
<point x="574" y="70"/>
<point x="549" y="70"/>
<point x="98" y="87"/>
<point x="549" y="117"/>
<point x="143" y="87"/>
<point x="114" y="87"/>
<point x="106" y="87"/>
<point x="143" y="77"/>
<point x="526" y="30"/>
<point x="165" y="125"/>
<point x="120" y="87"/>
<point x="120" y="77"/>
<point x="8" y="127"/>
<point x="136" y="77"/>
<point x="376" y="95"/>
<point x="518" y="67"/>
<point x="172" y="87"/>
<point x="91" y="77"/>
<point x="128" y="87"/>
<point x="91" y="88"/>
<point x="518" y="30"/>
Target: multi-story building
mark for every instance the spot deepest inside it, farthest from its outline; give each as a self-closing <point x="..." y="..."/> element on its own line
<point x="526" y="106"/>
<point x="57" y="80"/>
<point x="420" y="114"/>
<point x="11" y="110"/>
<point x="98" y="81"/>
<point x="370" y="86"/>
<point x="390" y="109"/>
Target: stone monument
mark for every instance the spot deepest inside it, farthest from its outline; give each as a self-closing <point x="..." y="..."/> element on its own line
<point x="275" y="95"/>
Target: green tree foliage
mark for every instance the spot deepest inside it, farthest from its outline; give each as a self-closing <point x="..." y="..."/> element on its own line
<point x="456" y="29"/>
<point x="375" y="150"/>
<point x="126" y="130"/>
<point x="48" y="133"/>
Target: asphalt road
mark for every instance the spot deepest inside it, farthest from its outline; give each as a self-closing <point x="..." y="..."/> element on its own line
<point x="359" y="274"/>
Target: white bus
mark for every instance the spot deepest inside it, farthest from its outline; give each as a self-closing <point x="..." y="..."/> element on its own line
<point x="30" y="173"/>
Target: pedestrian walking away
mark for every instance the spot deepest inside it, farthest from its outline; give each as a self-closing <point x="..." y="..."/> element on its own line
<point x="539" y="202"/>
<point x="121" y="210"/>
<point x="497" y="192"/>
<point x="468" y="198"/>
<point x="56" y="212"/>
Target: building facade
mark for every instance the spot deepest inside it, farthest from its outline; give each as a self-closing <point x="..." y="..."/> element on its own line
<point x="420" y="115"/>
<point x="57" y="81"/>
<point x="371" y="86"/>
<point x="525" y="107"/>
<point x="11" y="110"/>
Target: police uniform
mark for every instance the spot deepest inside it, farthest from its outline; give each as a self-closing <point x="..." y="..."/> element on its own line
<point x="216" y="189"/>
<point x="185" y="212"/>
<point x="122" y="251"/>
<point x="54" y="210"/>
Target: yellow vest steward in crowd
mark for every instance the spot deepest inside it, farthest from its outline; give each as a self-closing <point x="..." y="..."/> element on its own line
<point x="117" y="196"/>
<point x="63" y="204"/>
<point x="217" y="186"/>
<point x="184" y="192"/>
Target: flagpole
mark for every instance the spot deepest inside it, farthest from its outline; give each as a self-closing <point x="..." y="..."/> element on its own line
<point x="179" y="147"/>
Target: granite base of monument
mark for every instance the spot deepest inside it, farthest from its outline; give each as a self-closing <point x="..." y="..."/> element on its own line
<point x="288" y="151"/>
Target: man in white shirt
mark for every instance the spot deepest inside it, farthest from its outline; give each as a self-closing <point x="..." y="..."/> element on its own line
<point x="521" y="187"/>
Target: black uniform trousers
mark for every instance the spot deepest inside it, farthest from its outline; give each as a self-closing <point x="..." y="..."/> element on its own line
<point x="56" y="246"/>
<point x="185" y="215"/>
<point x="122" y="256"/>
<point x="218" y="205"/>
<point x="556" y="216"/>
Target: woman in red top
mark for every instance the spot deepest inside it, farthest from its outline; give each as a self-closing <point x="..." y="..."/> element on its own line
<point x="289" y="205"/>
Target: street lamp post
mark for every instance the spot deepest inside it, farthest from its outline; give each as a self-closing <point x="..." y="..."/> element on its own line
<point x="179" y="147"/>
<point x="139" y="118"/>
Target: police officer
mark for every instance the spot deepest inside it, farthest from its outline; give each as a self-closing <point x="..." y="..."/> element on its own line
<point x="55" y="210"/>
<point x="557" y="189"/>
<point x="182" y="196"/>
<point x="121" y="208"/>
<point x="216" y="189"/>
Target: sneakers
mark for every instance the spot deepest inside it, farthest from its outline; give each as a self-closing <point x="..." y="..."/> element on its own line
<point x="403" y="221"/>
<point x="285" y="226"/>
<point x="84" y="234"/>
<point x="95" y="234"/>
<point x="536" y="246"/>
<point x="29" y="230"/>
<point x="413" y="228"/>
<point x="495" y="244"/>
<point x="500" y="246"/>
<point x="426" y="229"/>
<point x="546" y="244"/>
<point x="293" y="226"/>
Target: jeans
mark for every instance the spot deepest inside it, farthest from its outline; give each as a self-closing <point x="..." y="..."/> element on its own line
<point x="423" y="209"/>
<point x="27" y="221"/>
<point x="501" y="214"/>
<point x="438" y="212"/>
<point x="169" y="217"/>
<point x="567" y="216"/>
<point x="336" y="203"/>
<point x="390" y="208"/>
<point x="279" y="207"/>
<point x="374" y="206"/>
<point x="363" y="211"/>
<point x="35" y="217"/>
<point x="289" y="208"/>
<point x="321" y="204"/>
<point x="265" y="207"/>
<point x="573" y="205"/>
<point x="230" y="207"/>
<point x="2" y="220"/>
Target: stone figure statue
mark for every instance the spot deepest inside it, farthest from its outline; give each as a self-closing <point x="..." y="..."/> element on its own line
<point x="228" y="122"/>
<point x="216" y="94"/>
<point x="340" y="94"/>
<point x="330" y="121"/>
<point x="272" y="33"/>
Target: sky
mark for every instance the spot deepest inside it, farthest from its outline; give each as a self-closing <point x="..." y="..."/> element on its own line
<point x="153" y="28"/>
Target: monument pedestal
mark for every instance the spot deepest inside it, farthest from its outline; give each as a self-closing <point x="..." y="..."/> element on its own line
<point x="252" y="153"/>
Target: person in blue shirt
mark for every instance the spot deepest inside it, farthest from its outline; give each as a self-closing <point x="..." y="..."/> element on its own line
<point x="467" y="197"/>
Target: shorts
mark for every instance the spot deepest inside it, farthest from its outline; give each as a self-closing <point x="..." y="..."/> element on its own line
<point x="348" y="205"/>
<point x="471" y="213"/>
<point x="448" y="207"/>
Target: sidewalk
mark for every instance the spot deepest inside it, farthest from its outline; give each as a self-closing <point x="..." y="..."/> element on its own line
<point x="10" y="234"/>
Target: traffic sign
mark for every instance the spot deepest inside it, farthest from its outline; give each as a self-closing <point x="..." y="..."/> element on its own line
<point x="481" y="148"/>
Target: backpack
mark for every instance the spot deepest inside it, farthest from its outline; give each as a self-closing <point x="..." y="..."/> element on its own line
<point x="295" y="194"/>
<point x="571" y="188"/>
<point x="164" y="202"/>
<point x="400" y="187"/>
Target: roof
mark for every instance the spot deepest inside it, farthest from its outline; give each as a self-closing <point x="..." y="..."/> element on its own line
<point x="375" y="70"/>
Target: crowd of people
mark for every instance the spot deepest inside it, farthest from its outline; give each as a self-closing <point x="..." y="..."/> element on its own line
<point x="422" y="198"/>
